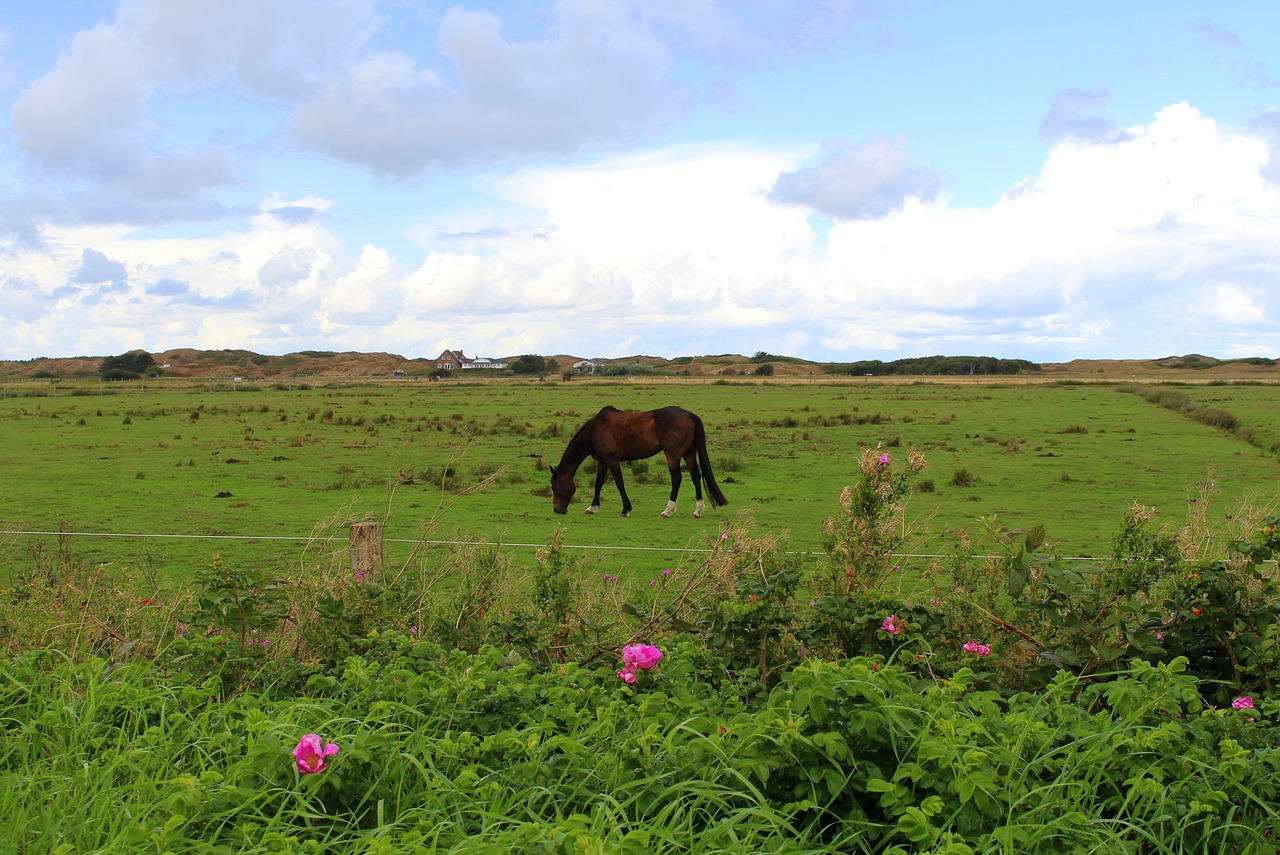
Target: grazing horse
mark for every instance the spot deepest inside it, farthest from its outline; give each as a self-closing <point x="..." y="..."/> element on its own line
<point x="613" y="435"/>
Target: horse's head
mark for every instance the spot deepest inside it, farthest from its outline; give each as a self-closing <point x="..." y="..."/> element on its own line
<point x="562" y="489"/>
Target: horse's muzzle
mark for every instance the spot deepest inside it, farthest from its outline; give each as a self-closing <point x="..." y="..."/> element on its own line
<point x="561" y="510"/>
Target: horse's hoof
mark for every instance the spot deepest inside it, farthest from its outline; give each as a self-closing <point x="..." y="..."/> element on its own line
<point x="592" y="509"/>
<point x="626" y="513"/>
<point x="697" y="515"/>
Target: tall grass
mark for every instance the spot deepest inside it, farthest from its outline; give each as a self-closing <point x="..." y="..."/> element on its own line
<point x="470" y="754"/>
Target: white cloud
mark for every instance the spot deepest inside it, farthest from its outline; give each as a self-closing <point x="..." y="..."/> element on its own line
<point x="369" y="294"/>
<point x="1171" y="202"/>
<point x="91" y="118"/>
<point x="599" y="75"/>
<point x="1234" y="304"/>
<point x="94" y="127"/>
<point x="675" y="221"/>
<point x="849" y="337"/>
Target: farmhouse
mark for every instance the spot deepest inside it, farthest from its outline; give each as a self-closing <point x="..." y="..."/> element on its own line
<point x="452" y="360"/>
<point x="586" y="366"/>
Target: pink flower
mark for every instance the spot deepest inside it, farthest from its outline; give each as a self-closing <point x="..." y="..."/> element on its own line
<point x="884" y="458"/>
<point x="642" y="656"/>
<point x="1243" y="703"/>
<point x="638" y="657"/>
<point x="977" y="649"/>
<point x="891" y="625"/>
<point x="310" y="754"/>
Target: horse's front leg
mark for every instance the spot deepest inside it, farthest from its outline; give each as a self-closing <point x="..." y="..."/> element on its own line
<point x="674" y="468"/>
<point x="695" y="475"/>
<point x="601" y="474"/>
<point x="616" y="469"/>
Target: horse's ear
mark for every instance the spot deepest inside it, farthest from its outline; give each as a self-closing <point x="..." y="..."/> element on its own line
<point x="553" y="472"/>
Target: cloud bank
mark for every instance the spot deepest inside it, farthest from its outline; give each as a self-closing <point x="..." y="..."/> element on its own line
<point x="558" y="220"/>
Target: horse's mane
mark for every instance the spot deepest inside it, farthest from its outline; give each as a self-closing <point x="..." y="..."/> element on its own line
<point x="578" y="434"/>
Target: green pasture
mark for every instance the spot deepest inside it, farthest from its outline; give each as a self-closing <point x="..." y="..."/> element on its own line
<point x="269" y="474"/>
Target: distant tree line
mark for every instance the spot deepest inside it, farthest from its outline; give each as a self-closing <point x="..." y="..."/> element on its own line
<point x="1209" y="362"/>
<point x="532" y="363"/>
<point x="137" y="363"/>
<point x="766" y="356"/>
<point x="936" y="365"/>
<point x="126" y="366"/>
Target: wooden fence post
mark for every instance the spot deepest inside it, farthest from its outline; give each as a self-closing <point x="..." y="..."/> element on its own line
<point x="366" y="550"/>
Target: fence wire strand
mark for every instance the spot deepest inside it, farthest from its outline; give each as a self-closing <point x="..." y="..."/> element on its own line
<point x="496" y="543"/>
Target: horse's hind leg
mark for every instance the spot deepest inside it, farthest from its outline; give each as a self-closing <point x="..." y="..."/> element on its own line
<point x="695" y="475"/>
<point x="616" y="469"/>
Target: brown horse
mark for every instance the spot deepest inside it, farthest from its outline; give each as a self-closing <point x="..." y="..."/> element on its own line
<point x="613" y="435"/>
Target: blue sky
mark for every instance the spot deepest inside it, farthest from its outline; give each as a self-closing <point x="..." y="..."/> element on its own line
<point x="834" y="179"/>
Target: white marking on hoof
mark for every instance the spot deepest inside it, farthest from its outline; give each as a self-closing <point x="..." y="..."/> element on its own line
<point x="671" y="509"/>
<point x="591" y="509"/>
<point x="698" y="509"/>
<point x="626" y="513"/>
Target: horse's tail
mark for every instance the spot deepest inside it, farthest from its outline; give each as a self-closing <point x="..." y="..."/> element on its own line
<point x="718" y="498"/>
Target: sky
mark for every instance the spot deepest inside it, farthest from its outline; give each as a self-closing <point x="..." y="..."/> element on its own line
<point x="835" y="180"/>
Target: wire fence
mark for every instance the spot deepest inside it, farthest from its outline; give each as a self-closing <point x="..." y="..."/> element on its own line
<point x="464" y="543"/>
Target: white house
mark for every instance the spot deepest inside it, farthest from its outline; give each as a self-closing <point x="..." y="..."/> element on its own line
<point x="483" y="362"/>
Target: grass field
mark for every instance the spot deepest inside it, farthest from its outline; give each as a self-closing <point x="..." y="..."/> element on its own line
<point x="262" y="472"/>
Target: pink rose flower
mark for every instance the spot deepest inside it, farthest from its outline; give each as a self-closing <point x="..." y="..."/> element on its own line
<point x="884" y="458"/>
<point x="310" y="753"/>
<point x="642" y="656"/>
<point x="1243" y="703"/>
<point x="891" y="625"/>
<point x="977" y="649"/>
<point x="638" y="657"/>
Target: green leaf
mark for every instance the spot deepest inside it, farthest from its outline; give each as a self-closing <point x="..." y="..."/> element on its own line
<point x="1019" y="575"/>
<point x="915" y="826"/>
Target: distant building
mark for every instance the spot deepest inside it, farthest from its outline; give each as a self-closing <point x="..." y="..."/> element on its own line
<point x="586" y="366"/>
<point x="453" y="360"/>
<point x="450" y="360"/>
<point x="483" y="362"/>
